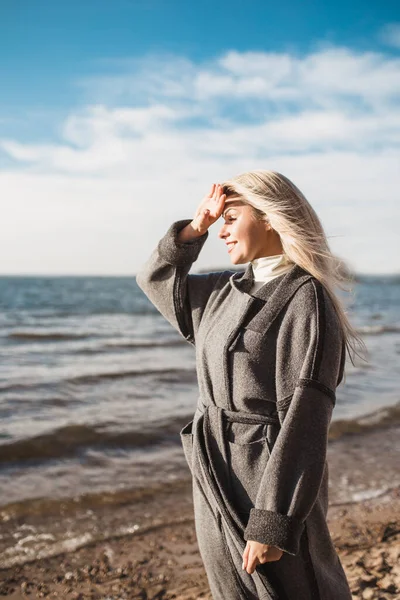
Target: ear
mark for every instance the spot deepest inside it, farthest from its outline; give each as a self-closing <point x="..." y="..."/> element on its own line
<point x="267" y="226"/>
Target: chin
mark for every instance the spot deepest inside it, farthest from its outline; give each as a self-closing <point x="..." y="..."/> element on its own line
<point x="237" y="261"/>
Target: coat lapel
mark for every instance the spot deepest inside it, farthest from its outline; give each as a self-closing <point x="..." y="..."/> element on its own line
<point x="272" y="297"/>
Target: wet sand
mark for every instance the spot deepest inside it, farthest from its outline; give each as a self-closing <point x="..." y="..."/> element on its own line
<point x="160" y="558"/>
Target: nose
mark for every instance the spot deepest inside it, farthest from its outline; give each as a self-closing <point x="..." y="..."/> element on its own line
<point x="222" y="232"/>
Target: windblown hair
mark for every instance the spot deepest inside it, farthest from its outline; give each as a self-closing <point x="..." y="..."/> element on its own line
<point x="275" y="199"/>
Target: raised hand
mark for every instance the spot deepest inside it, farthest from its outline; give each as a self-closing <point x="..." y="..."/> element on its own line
<point x="209" y="209"/>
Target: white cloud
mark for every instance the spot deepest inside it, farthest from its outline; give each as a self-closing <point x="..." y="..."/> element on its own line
<point x="97" y="199"/>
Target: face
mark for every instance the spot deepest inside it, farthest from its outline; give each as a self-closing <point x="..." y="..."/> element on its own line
<point x="246" y="238"/>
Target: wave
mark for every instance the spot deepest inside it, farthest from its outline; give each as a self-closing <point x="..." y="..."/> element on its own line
<point x="47" y="336"/>
<point x="161" y="375"/>
<point x="131" y="346"/>
<point x="33" y="545"/>
<point x="378" y="279"/>
<point x="37" y="545"/>
<point x="186" y="375"/>
<point x="70" y="440"/>
<point x="379" y="419"/>
<point x="378" y="329"/>
<point x="55" y="336"/>
<point x="369" y="494"/>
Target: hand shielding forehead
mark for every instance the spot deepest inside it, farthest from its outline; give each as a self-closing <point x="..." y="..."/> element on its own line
<point x="231" y="204"/>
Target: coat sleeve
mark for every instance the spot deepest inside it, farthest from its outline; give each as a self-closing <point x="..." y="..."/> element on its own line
<point x="164" y="278"/>
<point x="310" y="362"/>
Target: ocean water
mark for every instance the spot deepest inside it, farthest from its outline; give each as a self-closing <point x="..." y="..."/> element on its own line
<point x="95" y="386"/>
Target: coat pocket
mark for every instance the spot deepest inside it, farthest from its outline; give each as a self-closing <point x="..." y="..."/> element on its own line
<point x="244" y="432"/>
<point x="248" y="455"/>
<point x="247" y="340"/>
<point x="186" y="435"/>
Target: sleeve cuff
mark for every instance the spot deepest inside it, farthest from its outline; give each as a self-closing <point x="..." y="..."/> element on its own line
<point x="178" y="253"/>
<point x="274" y="529"/>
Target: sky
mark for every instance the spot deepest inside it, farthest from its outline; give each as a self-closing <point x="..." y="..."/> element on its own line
<point x="116" y="118"/>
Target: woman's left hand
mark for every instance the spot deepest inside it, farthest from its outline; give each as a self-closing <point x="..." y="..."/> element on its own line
<point x="256" y="553"/>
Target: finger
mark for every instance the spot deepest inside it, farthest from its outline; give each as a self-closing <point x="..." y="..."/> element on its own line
<point x="251" y="564"/>
<point x="211" y="192"/>
<point x="251" y="559"/>
<point x="220" y="192"/>
<point x="274" y="554"/>
<point x="263" y="559"/>
<point x="215" y="192"/>
<point x="220" y="205"/>
<point x="264" y="556"/>
<point x="245" y="556"/>
<point x="222" y="200"/>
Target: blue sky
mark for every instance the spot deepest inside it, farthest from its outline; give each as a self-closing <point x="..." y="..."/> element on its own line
<point x="109" y="108"/>
<point x="47" y="46"/>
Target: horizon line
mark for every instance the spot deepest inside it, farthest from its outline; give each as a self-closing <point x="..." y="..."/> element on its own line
<point x="126" y="275"/>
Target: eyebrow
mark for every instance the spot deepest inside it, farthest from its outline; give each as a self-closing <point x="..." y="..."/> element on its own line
<point x="232" y="204"/>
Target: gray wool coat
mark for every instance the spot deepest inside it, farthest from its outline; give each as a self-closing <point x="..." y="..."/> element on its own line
<point x="268" y="365"/>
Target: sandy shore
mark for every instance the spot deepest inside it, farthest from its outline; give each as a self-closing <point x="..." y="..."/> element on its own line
<point x="160" y="558"/>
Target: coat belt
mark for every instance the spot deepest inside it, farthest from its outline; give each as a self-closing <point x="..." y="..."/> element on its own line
<point x="237" y="416"/>
<point x="208" y="425"/>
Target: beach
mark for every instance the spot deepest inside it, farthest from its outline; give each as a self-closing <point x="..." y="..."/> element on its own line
<point x="160" y="558"/>
<point x="95" y="492"/>
<point x="143" y="544"/>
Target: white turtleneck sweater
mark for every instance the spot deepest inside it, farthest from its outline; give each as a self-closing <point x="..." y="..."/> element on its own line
<point x="267" y="268"/>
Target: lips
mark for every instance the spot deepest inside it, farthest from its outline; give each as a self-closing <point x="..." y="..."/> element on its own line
<point x="230" y="245"/>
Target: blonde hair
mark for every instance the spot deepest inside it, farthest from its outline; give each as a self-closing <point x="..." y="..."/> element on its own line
<point x="274" y="198"/>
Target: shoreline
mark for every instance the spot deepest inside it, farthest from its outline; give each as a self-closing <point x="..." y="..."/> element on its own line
<point x="375" y="431"/>
<point x="159" y="558"/>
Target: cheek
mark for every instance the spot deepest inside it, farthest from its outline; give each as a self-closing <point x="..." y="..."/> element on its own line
<point x="244" y="233"/>
<point x="255" y="233"/>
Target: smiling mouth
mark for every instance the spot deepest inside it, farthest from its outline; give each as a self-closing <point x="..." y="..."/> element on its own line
<point x="230" y="246"/>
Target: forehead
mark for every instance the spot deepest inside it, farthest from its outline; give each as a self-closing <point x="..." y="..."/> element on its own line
<point x="231" y="204"/>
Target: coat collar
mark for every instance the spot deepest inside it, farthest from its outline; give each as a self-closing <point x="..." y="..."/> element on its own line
<point x="272" y="296"/>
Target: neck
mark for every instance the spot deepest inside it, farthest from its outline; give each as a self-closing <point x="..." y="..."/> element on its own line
<point x="274" y="246"/>
<point x="268" y="267"/>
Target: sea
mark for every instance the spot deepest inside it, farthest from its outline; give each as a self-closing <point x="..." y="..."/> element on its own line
<point x="95" y="385"/>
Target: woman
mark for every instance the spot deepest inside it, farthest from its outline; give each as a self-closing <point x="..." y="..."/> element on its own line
<point x="270" y="347"/>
